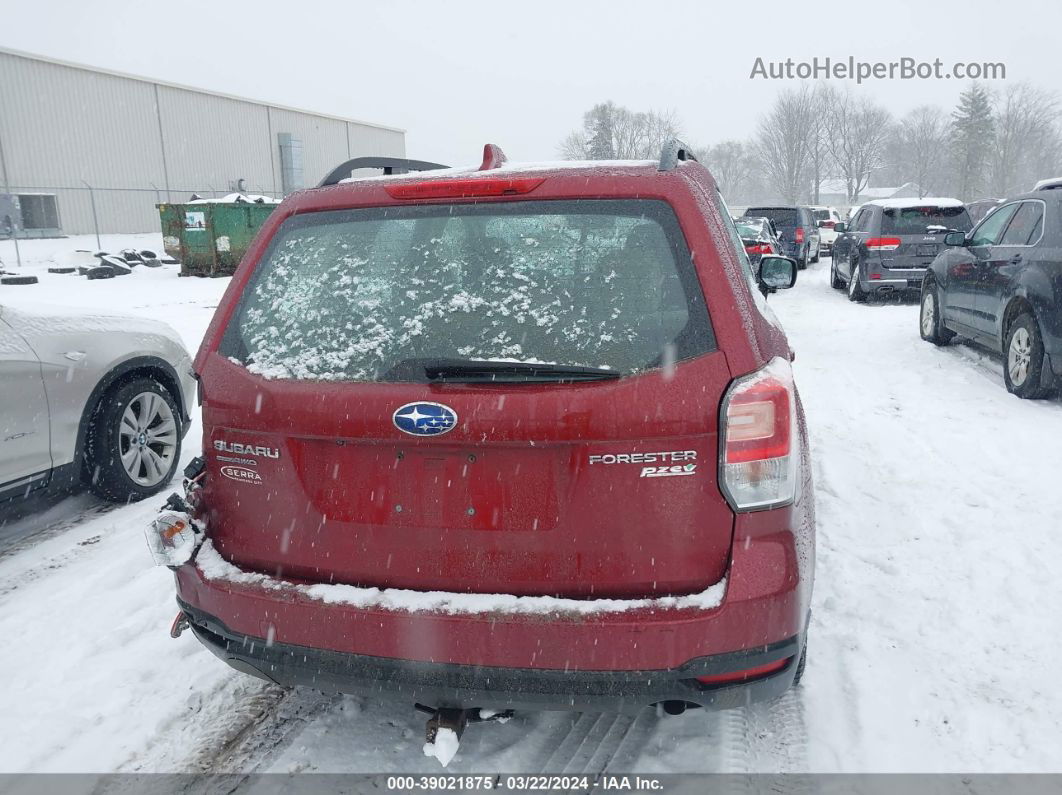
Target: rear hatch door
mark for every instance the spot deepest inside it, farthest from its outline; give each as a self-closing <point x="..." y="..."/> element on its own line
<point x="514" y="397"/>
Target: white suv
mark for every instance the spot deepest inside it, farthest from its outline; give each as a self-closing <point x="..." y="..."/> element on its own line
<point x="826" y="218"/>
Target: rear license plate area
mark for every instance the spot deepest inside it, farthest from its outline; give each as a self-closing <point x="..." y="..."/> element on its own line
<point x="927" y="250"/>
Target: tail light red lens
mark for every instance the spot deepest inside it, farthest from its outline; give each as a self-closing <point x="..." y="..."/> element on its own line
<point x="748" y="673"/>
<point x="883" y="243"/>
<point x="759" y="248"/>
<point x="826" y="224"/>
<point x="799" y="234"/>
<point x="464" y="188"/>
<point x="759" y="439"/>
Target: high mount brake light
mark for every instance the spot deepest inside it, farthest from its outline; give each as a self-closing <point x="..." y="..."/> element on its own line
<point x="464" y="188"/>
<point x="758" y="459"/>
<point x="883" y="243"/>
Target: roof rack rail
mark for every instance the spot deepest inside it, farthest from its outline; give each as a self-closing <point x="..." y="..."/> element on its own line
<point x="390" y="165"/>
<point x="674" y="151"/>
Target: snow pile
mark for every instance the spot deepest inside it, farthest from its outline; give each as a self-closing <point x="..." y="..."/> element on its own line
<point x="445" y="746"/>
<point x="215" y="567"/>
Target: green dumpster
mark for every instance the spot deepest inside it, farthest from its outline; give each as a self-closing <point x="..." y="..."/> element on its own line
<point x="210" y="238"/>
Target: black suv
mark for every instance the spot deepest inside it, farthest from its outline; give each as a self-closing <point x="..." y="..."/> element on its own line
<point x="891" y="242"/>
<point x="1001" y="285"/>
<point x="797" y="230"/>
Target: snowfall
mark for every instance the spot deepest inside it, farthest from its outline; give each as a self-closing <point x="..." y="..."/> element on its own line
<point x="935" y="629"/>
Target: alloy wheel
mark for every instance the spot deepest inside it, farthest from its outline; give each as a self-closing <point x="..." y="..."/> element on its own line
<point x="1019" y="356"/>
<point x="929" y="315"/>
<point x="147" y="439"/>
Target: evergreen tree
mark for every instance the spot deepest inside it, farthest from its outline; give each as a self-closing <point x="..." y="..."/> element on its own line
<point x="972" y="130"/>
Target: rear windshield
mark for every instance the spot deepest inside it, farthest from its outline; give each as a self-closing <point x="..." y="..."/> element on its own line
<point x="916" y="220"/>
<point x="782" y="216"/>
<point x="821" y="215"/>
<point x="750" y="229"/>
<point x="353" y="294"/>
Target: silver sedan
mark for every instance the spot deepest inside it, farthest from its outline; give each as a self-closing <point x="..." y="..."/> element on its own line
<point x="90" y="399"/>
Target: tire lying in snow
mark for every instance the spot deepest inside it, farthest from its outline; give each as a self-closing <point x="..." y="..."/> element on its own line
<point x="18" y="280"/>
<point x="99" y="272"/>
<point x="117" y="264"/>
<point x="62" y="270"/>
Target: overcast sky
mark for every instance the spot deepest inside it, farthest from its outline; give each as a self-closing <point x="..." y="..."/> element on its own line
<point x="457" y="74"/>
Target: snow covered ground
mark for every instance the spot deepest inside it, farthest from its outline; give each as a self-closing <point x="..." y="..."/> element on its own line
<point x="934" y="631"/>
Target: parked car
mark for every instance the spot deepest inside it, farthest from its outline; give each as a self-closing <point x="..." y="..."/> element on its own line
<point x="826" y="218"/>
<point x="797" y="231"/>
<point x="422" y="396"/>
<point x="1001" y="285"/>
<point x="90" y="399"/>
<point x="759" y="237"/>
<point x="890" y="244"/>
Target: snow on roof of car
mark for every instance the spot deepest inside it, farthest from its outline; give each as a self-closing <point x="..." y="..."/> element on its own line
<point x="928" y="201"/>
<point x="603" y="166"/>
<point x="1048" y="184"/>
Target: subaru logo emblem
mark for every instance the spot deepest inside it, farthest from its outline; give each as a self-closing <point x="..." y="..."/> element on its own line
<point x="425" y="419"/>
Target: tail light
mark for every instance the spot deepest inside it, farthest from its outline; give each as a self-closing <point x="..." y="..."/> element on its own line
<point x="799" y="234"/>
<point x="883" y="243"/>
<point x="759" y="248"/>
<point x="172" y="538"/>
<point x="759" y="439"/>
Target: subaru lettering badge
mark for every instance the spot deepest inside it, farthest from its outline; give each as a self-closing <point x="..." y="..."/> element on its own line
<point x="425" y="419"/>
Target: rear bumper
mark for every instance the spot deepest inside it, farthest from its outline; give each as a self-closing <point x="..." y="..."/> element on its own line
<point x="624" y="659"/>
<point x="466" y="686"/>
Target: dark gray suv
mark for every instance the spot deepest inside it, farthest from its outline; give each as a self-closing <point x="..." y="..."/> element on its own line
<point x="891" y="242"/>
<point x="798" y="231"/>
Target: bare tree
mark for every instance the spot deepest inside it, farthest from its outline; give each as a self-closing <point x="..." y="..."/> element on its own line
<point x="817" y="151"/>
<point x="733" y="165"/>
<point x="921" y="140"/>
<point x="783" y="142"/>
<point x="613" y="132"/>
<point x="856" y="133"/>
<point x="1025" y="131"/>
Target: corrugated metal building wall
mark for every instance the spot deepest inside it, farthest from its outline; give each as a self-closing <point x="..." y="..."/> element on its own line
<point x="136" y="142"/>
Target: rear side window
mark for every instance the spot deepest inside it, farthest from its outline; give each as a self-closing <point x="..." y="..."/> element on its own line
<point x="782" y="216"/>
<point x="352" y="295"/>
<point x="917" y="220"/>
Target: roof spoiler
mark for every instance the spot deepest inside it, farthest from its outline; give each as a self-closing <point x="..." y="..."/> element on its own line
<point x="673" y="152"/>
<point x="390" y="165"/>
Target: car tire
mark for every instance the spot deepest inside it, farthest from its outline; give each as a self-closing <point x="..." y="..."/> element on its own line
<point x="855" y="290"/>
<point x="802" y="663"/>
<point x="13" y="280"/>
<point x="802" y="260"/>
<point x="62" y="270"/>
<point x="134" y="441"/>
<point x="1023" y="358"/>
<point x="930" y="319"/>
<point x="836" y="282"/>
<point x="818" y="255"/>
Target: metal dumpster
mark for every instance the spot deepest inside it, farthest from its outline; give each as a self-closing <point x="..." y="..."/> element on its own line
<point x="210" y="238"/>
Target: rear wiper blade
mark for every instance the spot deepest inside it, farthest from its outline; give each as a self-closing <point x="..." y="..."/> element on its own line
<point x="470" y="371"/>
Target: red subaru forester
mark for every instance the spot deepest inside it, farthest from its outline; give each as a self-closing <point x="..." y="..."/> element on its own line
<point x="514" y="437"/>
